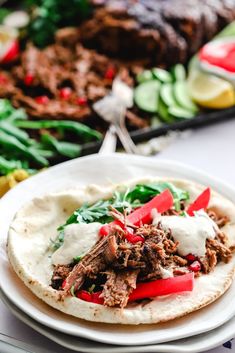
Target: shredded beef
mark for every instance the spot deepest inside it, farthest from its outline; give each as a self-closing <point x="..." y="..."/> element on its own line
<point x="90" y="265"/>
<point x="114" y="265"/>
<point x="220" y="220"/>
<point x="223" y="253"/>
<point x="118" y="287"/>
<point x="60" y="273"/>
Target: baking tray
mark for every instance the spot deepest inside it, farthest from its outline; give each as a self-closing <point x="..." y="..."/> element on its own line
<point x="145" y="134"/>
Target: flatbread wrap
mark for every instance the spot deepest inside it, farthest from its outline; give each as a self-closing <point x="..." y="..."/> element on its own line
<point x="143" y="252"/>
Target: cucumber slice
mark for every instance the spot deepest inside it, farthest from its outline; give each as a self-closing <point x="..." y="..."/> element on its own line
<point x="155" y="122"/>
<point x="182" y="96"/>
<point x="162" y="75"/>
<point x="180" y="113"/>
<point x="164" y="113"/>
<point x="144" y="76"/>
<point x="146" y="96"/>
<point x="179" y="72"/>
<point x="167" y="94"/>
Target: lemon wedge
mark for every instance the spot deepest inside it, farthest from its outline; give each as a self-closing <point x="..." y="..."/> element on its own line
<point x="210" y="91"/>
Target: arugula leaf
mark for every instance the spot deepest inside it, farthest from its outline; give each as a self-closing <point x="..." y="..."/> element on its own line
<point x="144" y="193"/>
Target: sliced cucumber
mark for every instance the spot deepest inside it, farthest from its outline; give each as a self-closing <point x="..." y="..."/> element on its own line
<point x="182" y="96"/>
<point x="180" y="113"/>
<point x="179" y="72"/>
<point x="155" y="121"/>
<point x="167" y="94"/>
<point x="162" y="75"/>
<point x="144" y="76"/>
<point x="164" y="112"/>
<point x="146" y="96"/>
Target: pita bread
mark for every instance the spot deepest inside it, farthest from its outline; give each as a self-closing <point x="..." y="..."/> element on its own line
<point x="30" y="252"/>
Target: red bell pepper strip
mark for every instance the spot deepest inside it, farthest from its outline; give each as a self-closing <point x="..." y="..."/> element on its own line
<point x="90" y="297"/>
<point x="143" y="215"/>
<point x="166" y="286"/>
<point x="131" y="237"/>
<point x="13" y="53"/>
<point x="201" y="202"/>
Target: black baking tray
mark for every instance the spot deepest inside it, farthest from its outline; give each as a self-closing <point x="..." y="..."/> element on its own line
<point x="142" y="135"/>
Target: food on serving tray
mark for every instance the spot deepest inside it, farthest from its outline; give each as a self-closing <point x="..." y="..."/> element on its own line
<point x="212" y="72"/>
<point x="161" y="32"/>
<point x="146" y="251"/>
<point x="43" y="143"/>
<point x="210" y="91"/>
<point x="165" y="93"/>
<point x="62" y="81"/>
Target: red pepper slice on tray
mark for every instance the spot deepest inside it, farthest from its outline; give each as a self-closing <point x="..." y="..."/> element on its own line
<point x="166" y="286"/>
<point x="143" y="215"/>
<point x="201" y="202"/>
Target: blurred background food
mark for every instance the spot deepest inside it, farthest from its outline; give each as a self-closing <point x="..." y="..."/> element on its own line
<point x="58" y="58"/>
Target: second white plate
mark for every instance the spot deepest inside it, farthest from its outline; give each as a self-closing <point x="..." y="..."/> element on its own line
<point x="195" y="344"/>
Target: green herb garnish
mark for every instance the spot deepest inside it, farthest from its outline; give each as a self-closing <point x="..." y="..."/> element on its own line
<point x="58" y="242"/>
<point x="128" y="200"/>
<point x="49" y="15"/>
<point x="77" y="259"/>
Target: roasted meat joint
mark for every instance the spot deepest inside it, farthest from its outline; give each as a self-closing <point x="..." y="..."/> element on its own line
<point x="163" y="32"/>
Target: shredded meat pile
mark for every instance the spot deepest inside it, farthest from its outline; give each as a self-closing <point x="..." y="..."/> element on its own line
<point x="114" y="265"/>
<point x="87" y="74"/>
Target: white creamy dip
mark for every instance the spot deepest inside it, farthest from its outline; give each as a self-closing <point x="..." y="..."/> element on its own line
<point x="78" y="240"/>
<point x="190" y="232"/>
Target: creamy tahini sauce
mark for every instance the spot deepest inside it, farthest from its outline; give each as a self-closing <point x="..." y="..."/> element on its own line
<point x="78" y="240"/>
<point x="190" y="232"/>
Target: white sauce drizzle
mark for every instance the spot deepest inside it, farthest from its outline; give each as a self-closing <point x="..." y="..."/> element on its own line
<point x="190" y="232"/>
<point x="166" y="272"/>
<point x="78" y="240"/>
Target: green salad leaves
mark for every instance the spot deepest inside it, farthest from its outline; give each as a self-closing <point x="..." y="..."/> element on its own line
<point x="49" y="15"/>
<point x="129" y="200"/>
<point x="19" y="151"/>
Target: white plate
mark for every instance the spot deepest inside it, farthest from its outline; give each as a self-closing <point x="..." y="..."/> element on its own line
<point x="194" y="344"/>
<point x="100" y="170"/>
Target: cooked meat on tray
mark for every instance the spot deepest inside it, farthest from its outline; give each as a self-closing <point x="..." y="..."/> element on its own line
<point x="164" y="31"/>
